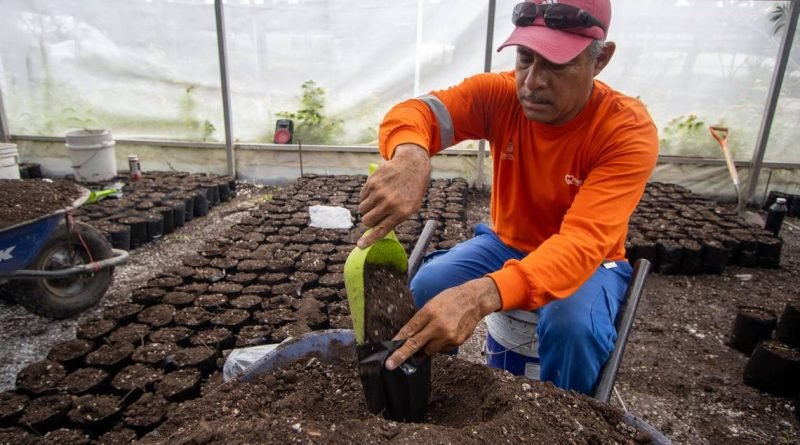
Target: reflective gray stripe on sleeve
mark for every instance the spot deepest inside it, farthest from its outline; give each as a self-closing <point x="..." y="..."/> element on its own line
<point x="446" y="132"/>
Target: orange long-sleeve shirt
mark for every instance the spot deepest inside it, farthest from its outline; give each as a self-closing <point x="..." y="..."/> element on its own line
<point x="563" y="194"/>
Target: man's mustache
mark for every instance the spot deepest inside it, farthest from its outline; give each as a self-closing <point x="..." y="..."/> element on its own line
<point x="536" y="98"/>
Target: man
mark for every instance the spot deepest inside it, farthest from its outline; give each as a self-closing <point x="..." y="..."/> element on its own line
<point x="571" y="158"/>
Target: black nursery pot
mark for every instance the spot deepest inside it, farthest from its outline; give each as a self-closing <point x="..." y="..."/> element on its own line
<point x="692" y="259"/>
<point x="670" y="257"/>
<point x="630" y="251"/>
<point x="11" y="407"/>
<point x="138" y="230"/>
<point x="155" y="225"/>
<point x="95" y="413"/>
<point x="774" y="367"/>
<point x="178" y="212"/>
<point x="200" y="204"/>
<point x="30" y="170"/>
<point x="752" y="325"/>
<point x="401" y="394"/>
<point x="794" y="210"/>
<point x="212" y="193"/>
<point x="647" y="250"/>
<point x="769" y="251"/>
<point x="715" y="256"/>
<point x="119" y="235"/>
<point x="188" y="206"/>
<point x="224" y="191"/>
<point x="168" y="218"/>
<point x="789" y="326"/>
<point x="70" y="353"/>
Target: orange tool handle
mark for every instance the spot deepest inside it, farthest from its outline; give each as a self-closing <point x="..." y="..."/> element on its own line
<point x="719" y="133"/>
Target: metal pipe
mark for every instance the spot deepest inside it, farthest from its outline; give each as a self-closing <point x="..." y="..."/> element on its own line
<point x="300" y="152"/>
<point x="766" y="187"/>
<point x="662" y="159"/>
<point x="415" y="259"/>
<point x="772" y="100"/>
<point x="624" y="325"/>
<point x="487" y="67"/>
<point x="5" y="136"/>
<point x="226" y="97"/>
<point x="120" y="256"/>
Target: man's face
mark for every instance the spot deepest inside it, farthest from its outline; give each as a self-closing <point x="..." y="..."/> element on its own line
<point x="553" y="94"/>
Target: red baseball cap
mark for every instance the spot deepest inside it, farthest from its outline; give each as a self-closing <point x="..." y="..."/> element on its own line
<point x="562" y="45"/>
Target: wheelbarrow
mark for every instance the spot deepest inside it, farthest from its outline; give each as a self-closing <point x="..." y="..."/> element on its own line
<point x="54" y="266"/>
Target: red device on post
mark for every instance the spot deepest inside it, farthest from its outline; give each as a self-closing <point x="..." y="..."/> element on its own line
<point x="284" y="131"/>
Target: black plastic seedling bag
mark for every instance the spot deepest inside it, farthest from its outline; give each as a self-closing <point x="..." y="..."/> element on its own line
<point x="401" y="394"/>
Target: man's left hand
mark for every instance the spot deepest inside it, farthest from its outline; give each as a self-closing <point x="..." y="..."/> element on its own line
<point x="447" y="320"/>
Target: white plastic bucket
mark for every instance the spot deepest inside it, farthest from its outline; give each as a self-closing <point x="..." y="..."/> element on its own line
<point x="91" y="154"/>
<point x="9" y="161"/>
<point x="512" y="343"/>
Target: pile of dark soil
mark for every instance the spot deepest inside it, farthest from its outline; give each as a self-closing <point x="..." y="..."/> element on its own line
<point x="313" y="401"/>
<point x="27" y="199"/>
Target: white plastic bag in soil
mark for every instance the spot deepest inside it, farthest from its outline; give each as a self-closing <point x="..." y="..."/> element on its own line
<point x="327" y="217"/>
<point x="240" y="359"/>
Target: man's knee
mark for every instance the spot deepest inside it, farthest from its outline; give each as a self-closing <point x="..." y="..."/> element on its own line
<point x="567" y="332"/>
<point x="426" y="284"/>
<point x="572" y="352"/>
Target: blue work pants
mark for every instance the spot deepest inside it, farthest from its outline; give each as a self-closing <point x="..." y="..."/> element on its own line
<point x="576" y="334"/>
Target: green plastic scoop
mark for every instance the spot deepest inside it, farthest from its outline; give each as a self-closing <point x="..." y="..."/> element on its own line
<point x="387" y="252"/>
<point x="98" y="195"/>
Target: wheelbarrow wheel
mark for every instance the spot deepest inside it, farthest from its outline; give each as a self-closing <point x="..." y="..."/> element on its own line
<point x="65" y="297"/>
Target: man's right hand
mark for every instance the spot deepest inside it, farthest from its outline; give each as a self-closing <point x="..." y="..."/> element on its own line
<point x="394" y="192"/>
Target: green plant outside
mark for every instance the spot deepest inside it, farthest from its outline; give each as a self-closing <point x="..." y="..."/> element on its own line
<point x="311" y="125"/>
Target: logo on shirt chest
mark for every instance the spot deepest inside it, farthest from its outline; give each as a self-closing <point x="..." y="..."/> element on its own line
<point x="508" y="152"/>
<point x="572" y="180"/>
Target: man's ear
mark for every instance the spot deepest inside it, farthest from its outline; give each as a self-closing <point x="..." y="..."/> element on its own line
<point x="605" y="57"/>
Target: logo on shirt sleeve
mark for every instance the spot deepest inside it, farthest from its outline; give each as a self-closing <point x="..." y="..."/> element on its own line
<point x="572" y="180"/>
<point x="508" y="152"/>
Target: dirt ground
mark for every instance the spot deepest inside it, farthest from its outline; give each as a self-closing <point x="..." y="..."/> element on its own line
<point x="677" y="373"/>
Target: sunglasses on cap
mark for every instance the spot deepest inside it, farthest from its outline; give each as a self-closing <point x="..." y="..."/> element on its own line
<point x="556" y="16"/>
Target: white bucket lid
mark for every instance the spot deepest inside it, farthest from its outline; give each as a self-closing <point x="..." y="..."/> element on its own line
<point x="89" y="137"/>
<point x="524" y="316"/>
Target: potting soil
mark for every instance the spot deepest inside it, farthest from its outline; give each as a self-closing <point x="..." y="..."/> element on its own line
<point x="314" y="401"/>
<point x="28" y="199"/>
<point x="388" y="304"/>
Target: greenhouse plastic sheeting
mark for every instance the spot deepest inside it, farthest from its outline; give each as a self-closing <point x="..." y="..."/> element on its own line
<point x="149" y="68"/>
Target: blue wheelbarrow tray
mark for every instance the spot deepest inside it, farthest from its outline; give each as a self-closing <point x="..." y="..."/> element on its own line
<point x="21" y="243"/>
<point x="328" y="344"/>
